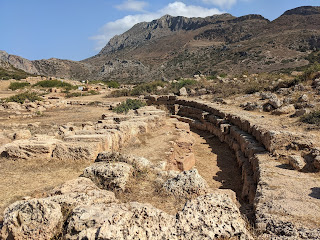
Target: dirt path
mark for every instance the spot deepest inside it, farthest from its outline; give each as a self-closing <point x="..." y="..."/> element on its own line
<point x="215" y="162"/>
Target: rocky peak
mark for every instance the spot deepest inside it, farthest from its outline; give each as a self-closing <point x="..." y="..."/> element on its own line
<point x="17" y="62"/>
<point x="305" y="10"/>
<point x="164" y="26"/>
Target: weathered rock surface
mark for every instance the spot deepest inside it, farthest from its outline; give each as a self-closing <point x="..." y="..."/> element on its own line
<point x="187" y="184"/>
<point x="123" y="221"/>
<point x="211" y="216"/>
<point x="32" y="219"/>
<point x="109" y="176"/>
<point x="140" y="163"/>
<point x="80" y="191"/>
<point x="34" y="148"/>
<point x="76" y="151"/>
<point x="181" y="156"/>
<point x="297" y="162"/>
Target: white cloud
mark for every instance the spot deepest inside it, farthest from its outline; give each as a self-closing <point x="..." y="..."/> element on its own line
<point x="221" y="3"/>
<point x="132" y="5"/>
<point x="119" y="26"/>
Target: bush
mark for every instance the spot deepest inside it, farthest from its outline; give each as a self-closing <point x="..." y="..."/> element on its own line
<point x="146" y="88"/>
<point x="120" y="93"/>
<point x="113" y="84"/>
<point x="129" y="104"/>
<point x="311" y="118"/>
<point x="93" y="92"/>
<point x="253" y="89"/>
<point x="55" y="83"/>
<point x="183" y="83"/>
<point x="20" y="98"/>
<point x="13" y="73"/>
<point x="18" y="85"/>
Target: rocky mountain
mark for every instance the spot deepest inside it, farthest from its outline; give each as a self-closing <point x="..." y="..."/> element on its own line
<point x="7" y="60"/>
<point x="172" y="47"/>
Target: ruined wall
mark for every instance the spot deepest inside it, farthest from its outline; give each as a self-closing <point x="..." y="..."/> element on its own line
<point x="257" y="151"/>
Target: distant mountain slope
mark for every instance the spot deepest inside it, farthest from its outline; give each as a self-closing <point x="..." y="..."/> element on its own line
<point x="172" y="47"/>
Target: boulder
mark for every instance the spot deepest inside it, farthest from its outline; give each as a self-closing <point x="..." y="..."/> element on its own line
<point x="78" y="185"/>
<point x="181" y="156"/>
<point x="120" y="221"/>
<point x="290" y="109"/>
<point x="250" y="106"/>
<point x="297" y="162"/>
<point x="75" y="151"/>
<point x="316" y="162"/>
<point x="34" y="148"/>
<point x="303" y="98"/>
<point x="32" y="219"/>
<point x="187" y="184"/>
<point x="140" y="163"/>
<point x="183" y="92"/>
<point x="212" y="216"/>
<point x="109" y="176"/>
<point x="301" y="112"/>
<point x="275" y="102"/>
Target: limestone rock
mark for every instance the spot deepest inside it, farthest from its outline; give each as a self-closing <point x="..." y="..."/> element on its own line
<point x="32" y="219"/>
<point x="22" y="134"/>
<point x="290" y="109"/>
<point x="76" y="151"/>
<point x="78" y="185"/>
<point x="303" y="98"/>
<point x="140" y="163"/>
<point x="109" y="176"/>
<point x="275" y="102"/>
<point x="187" y="184"/>
<point x="212" y="216"/>
<point x="297" y="162"/>
<point x="34" y="148"/>
<point x="81" y="191"/>
<point x="183" y="92"/>
<point x="68" y="201"/>
<point x="121" y="221"/>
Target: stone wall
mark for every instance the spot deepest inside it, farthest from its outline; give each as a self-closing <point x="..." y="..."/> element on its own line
<point x="258" y="150"/>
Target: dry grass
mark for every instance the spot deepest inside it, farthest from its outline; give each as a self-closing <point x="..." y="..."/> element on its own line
<point x="33" y="178"/>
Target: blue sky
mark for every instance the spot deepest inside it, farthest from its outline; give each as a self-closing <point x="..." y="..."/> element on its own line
<point x="78" y="29"/>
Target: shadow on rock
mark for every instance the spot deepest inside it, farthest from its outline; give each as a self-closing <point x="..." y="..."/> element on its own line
<point x="315" y="192"/>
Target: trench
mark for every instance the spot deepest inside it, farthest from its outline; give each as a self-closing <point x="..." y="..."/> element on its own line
<point x="217" y="164"/>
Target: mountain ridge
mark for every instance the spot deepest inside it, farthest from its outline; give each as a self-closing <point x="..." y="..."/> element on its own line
<point x="171" y="47"/>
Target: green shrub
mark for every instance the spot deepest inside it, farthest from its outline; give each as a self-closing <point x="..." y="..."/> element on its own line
<point x="146" y="88"/>
<point x="310" y="72"/>
<point x="55" y="83"/>
<point x="93" y="92"/>
<point x="253" y="89"/>
<point x="120" y="93"/>
<point x="113" y="84"/>
<point x="129" y="104"/>
<point x="13" y="73"/>
<point x="18" y="85"/>
<point x="20" y="98"/>
<point x="182" y="83"/>
<point x="311" y="118"/>
<point x="223" y="75"/>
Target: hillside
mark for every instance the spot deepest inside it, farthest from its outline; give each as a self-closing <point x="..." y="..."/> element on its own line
<point x="172" y="47"/>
